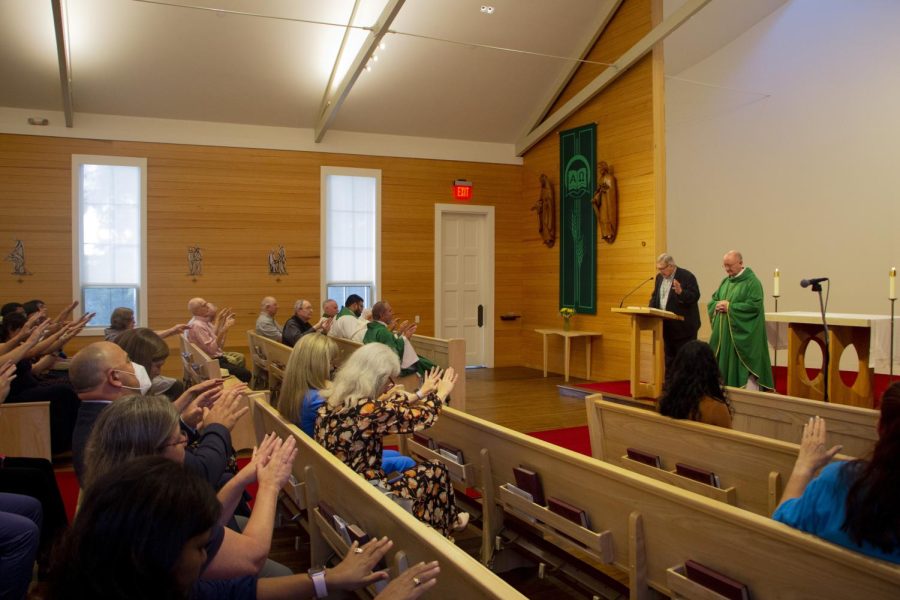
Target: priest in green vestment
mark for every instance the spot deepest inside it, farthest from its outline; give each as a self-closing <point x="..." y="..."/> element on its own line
<point x="352" y="307"/>
<point x="738" y="320"/>
<point x="378" y="331"/>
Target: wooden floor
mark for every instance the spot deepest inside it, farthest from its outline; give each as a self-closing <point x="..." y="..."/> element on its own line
<point x="522" y="399"/>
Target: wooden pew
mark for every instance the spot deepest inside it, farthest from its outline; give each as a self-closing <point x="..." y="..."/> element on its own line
<point x="752" y="469"/>
<point x="783" y="417"/>
<point x="198" y="366"/>
<point x="260" y="360"/>
<point x="25" y="429"/>
<point x="325" y="478"/>
<point x="649" y="529"/>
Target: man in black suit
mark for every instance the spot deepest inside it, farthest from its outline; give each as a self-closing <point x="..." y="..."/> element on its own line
<point x="676" y="290"/>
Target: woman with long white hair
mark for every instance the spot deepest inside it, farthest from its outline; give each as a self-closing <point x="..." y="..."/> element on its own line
<point x="363" y="406"/>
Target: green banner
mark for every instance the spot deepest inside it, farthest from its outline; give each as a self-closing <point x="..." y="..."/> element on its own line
<point x="578" y="228"/>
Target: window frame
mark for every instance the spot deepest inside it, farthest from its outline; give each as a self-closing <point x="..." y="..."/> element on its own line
<point x="323" y="230"/>
<point x="78" y="160"/>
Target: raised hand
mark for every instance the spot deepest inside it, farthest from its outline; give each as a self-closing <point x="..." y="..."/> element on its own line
<point x="277" y="470"/>
<point x="430" y="383"/>
<point x="227" y="409"/>
<point x="813" y="451"/>
<point x="7" y="374"/>
<point x="447" y="382"/>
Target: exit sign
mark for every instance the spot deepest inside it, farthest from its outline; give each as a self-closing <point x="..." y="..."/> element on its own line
<point x="462" y="189"/>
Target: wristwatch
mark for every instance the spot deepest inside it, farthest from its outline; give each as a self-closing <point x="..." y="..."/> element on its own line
<point x="317" y="574"/>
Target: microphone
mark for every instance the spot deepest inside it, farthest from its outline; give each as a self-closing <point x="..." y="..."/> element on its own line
<point x="640" y="285"/>
<point x="815" y="280"/>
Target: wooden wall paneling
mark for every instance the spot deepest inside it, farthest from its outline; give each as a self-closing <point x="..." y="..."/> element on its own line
<point x="237" y="204"/>
<point x="626" y="139"/>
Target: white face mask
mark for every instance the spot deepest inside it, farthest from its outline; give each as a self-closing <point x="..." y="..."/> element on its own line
<point x="144" y="382"/>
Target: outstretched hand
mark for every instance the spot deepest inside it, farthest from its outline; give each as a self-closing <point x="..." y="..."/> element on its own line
<point x="431" y="381"/>
<point x="355" y="571"/>
<point x="7" y="374"/>
<point x="448" y="381"/>
<point x="414" y="582"/>
<point x="813" y="453"/>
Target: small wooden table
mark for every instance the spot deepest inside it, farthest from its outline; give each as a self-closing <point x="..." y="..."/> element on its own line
<point x="567" y="335"/>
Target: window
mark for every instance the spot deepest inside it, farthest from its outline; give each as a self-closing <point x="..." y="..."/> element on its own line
<point x="109" y="236"/>
<point x="351" y="233"/>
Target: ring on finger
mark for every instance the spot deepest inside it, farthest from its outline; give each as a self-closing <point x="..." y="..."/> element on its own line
<point x="416" y="581"/>
<point x="358" y="550"/>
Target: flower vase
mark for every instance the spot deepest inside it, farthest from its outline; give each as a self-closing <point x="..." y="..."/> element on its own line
<point x="566" y="324"/>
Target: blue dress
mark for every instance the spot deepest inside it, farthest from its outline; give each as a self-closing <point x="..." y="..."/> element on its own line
<point x="821" y="510"/>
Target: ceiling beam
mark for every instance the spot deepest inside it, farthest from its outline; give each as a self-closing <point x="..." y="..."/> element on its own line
<point x="333" y="101"/>
<point x="557" y="89"/>
<point x="62" y="56"/>
<point x="611" y="73"/>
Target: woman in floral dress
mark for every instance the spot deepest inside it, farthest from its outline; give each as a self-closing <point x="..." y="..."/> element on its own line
<point x="363" y="406"/>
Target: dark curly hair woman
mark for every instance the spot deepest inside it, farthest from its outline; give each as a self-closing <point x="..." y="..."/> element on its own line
<point x="694" y="389"/>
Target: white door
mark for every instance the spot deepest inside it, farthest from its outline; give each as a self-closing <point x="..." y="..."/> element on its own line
<point x="464" y="277"/>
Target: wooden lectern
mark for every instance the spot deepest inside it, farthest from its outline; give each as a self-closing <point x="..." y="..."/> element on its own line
<point x="647" y="382"/>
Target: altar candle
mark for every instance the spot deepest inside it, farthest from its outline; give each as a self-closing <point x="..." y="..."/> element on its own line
<point x="776" y="288"/>
<point x="892" y="294"/>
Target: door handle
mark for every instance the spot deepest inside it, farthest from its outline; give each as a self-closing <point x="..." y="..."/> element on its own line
<point x="480" y="315"/>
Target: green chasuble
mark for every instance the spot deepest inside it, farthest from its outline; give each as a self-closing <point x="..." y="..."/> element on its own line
<point x="378" y="332"/>
<point x="739" y="336"/>
<point x="344" y="312"/>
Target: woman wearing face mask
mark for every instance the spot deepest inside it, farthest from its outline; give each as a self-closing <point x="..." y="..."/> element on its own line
<point x="35" y="358"/>
<point x="147" y="349"/>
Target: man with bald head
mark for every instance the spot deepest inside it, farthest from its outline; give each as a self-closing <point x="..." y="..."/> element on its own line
<point x="737" y="315"/>
<point x="100" y="373"/>
<point x="266" y="325"/>
<point x="210" y="337"/>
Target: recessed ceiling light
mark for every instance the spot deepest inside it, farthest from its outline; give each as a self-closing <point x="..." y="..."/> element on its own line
<point x="487" y="10"/>
<point x="382" y="45"/>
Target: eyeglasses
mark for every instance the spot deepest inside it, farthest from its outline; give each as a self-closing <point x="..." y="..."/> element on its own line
<point x="391" y="382"/>
<point x="182" y="441"/>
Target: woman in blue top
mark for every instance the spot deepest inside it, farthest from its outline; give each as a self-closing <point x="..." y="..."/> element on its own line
<point x="854" y="504"/>
<point x="309" y="370"/>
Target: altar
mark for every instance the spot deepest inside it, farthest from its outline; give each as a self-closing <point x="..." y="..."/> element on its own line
<point x="868" y="334"/>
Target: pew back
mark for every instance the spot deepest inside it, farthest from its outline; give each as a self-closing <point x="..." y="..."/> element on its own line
<point x="198" y="366"/>
<point x="755" y="466"/>
<point x="25" y="429"/>
<point x="783" y="417"/>
<point x="327" y="478"/>
<point x="655" y="527"/>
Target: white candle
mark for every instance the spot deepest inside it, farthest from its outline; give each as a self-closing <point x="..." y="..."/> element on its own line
<point x="776" y="288"/>
<point x="892" y="293"/>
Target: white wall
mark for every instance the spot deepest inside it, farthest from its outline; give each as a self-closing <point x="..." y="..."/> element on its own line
<point x="785" y="145"/>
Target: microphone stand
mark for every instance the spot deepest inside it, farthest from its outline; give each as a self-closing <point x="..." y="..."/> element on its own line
<point x="639" y="286"/>
<point x="817" y="287"/>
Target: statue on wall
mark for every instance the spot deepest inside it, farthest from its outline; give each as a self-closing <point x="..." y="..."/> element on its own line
<point x="277" y="262"/>
<point x="195" y="261"/>
<point x="546" y="212"/>
<point x="606" y="202"/>
<point x="17" y="258"/>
